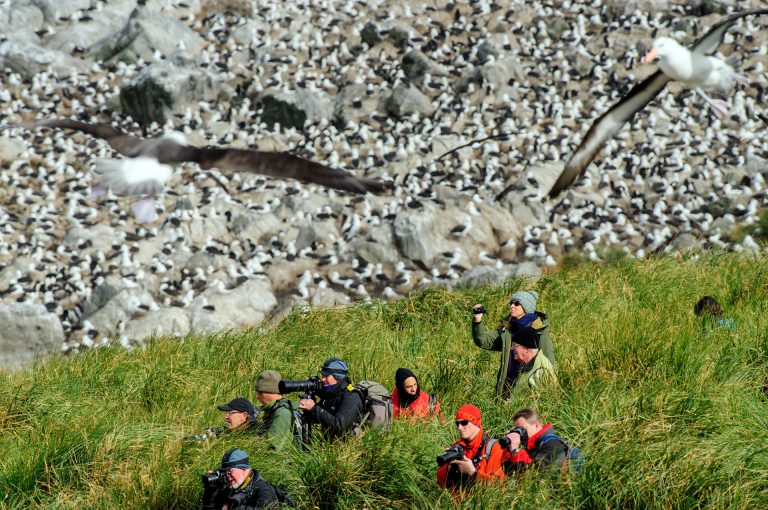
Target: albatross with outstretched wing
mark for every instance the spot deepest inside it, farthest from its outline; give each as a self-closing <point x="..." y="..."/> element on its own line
<point x="146" y="169"/>
<point x="641" y="94"/>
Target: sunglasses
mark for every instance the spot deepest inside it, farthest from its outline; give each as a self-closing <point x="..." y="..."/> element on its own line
<point x="462" y="423"/>
<point x="516" y="303"/>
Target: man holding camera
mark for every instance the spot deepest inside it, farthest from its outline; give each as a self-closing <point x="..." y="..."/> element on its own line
<point x="522" y="316"/>
<point x="235" y="486"/>
<point x="474" y="457"/>
<point x="531" y="443"/>
<point x="340" y="407"/>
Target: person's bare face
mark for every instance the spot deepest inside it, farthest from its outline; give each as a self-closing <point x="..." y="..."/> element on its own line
<point x="516" y="310"/>
<point x="235" y="419"/>
<point x="410" y="386"/>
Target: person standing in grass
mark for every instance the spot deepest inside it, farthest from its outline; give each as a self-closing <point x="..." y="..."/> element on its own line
<point x="237" y="486"/>
<point x="408" y="400"/>
<point x="711" y="313"/>
<point x="340" y="407"/>
<point x="522" y="315"/>
<point x="276" y="411"/>
<point x="481" y="461"/>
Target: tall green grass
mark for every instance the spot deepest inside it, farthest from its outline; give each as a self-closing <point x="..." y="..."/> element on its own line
<point x="668" y="415"/>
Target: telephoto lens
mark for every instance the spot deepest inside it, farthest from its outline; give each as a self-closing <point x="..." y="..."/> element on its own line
<point x="478" y="309"/>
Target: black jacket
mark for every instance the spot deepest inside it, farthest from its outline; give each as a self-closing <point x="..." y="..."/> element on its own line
<point x="548" y="447"/>
<point x="338" y="410"/>
<point x="256" y="493"/>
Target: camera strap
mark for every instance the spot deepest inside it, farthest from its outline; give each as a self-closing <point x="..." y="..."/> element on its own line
<point x="485" y="450"/>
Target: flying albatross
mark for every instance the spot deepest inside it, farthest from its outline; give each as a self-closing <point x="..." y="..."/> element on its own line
<point x="147" y="165"/>
<point x="694" y="68"/>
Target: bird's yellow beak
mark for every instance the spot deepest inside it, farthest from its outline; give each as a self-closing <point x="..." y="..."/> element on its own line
<point x="650" y="56"/>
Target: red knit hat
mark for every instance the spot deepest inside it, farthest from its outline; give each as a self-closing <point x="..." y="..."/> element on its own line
<point x="471" y="413"/>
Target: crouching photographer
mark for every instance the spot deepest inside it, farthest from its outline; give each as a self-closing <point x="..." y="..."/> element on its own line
<point x="474" y="457"/>
<point x="235" y="486"/>
<point x="339" y="407"/>
<point x="530" y="443"/>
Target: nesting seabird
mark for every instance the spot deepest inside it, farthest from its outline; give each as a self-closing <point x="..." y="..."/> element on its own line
<point x="694" y="68"/>
<point x="146" y="169"/>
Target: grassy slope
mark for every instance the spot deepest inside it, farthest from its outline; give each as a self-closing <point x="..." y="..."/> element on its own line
<point x="667" y="417"/>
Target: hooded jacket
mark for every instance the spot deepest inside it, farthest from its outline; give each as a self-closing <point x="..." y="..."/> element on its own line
<point x="418" y="405"/>
<point x="500" y="339"/>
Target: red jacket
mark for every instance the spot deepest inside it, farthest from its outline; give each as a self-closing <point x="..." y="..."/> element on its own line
<point x="522" y="457"/>
<point x="419" y="408"/>
<point x="488" y="470"/>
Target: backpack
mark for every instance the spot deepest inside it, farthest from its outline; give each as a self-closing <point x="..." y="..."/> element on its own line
<point x="571" y="457"/>
<point x="283" y="497"/>
<point x="297" y="423"/>
<point x="489" y="442"/>
<point x="377" y="404"/>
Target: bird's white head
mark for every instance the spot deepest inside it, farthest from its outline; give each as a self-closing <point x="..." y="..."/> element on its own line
<point x="663" y="47"/>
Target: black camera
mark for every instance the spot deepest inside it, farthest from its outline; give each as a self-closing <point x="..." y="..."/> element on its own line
<point x="310" y="385"/>
<point x="216" y="478"/>
<point x="504" y="441"/>
<point x="455" y="452"/>
<point x="478" y="309"/>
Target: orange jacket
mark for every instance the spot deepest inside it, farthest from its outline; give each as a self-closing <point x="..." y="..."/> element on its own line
<point x="488" y="470"/>
<point x="419" y="408"/>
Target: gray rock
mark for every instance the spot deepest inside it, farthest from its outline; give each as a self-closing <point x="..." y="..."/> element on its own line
<point x="241" y="307"/>
<point x="29" y="332"/>
<point x="10" y="148"/>
<point x="119" y="304"/>
<point x="415" y="65"/>
<point x="52" y="10"/>
<point x="171" y="321"/>
<point x="370" y="35"/>
<point x="326" y="298"/>
<point x="170" y="86"/>
<point x="22" y="15"/>
<point x="528" y="269"/>
<point x="724" y="224"/>
<point x="499" y="72"/>
<point x="482" y="275"/>
<point x="29" y="59"/>
<point x="684" y="242"/>
<point x="407" y="100"/>
<point x="378" y="245"/>
<point x="145" y="32"/>
<point x="294" y="108"/>
<point x="484" y="52"/>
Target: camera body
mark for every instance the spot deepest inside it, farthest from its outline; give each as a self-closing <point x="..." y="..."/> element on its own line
<point x="478" y="309"/>
<point x="309" y="386"/>
<point x="216" y="478"/>
<point x="504" y="441"/>
<point x="455" y="452"/>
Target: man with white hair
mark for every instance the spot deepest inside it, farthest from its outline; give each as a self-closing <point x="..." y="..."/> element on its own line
<point x="235" y="486"/>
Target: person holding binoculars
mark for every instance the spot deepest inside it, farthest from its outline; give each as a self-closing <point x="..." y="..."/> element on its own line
<point x="474" y="457"/>
<point x="517" y="365"/>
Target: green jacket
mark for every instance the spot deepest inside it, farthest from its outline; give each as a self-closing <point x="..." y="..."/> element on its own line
<point x="500" y="339"/>
<point x="277" y="422"/>
<point x="532" y="378"/>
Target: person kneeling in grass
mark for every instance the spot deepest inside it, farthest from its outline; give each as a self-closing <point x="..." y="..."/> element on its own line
<point x="474" y="457"/>
<point x="239" y="416"/>
<point x="408" y="400"/>
<point x="235" y="486"/>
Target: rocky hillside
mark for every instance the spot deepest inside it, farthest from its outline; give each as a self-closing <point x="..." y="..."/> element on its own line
<point x="382" y="89"/>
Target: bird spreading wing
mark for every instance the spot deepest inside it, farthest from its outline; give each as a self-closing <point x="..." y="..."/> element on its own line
<point x="172" y="150"/>
<point x="641" y="94"/>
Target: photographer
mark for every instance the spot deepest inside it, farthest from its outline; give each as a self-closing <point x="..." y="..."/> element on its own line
<point x="474" y="457"/>
<point x="235" y="486"/>
<point x="522" y="315"/>
<point x="239" y="416"/>
<point x="339" y="407"/>
<point x="531" y="443"/>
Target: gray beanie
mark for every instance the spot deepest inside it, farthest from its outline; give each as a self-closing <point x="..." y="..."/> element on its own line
<point x="527" y="298"/>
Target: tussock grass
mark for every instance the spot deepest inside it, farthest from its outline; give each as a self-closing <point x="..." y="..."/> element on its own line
<point x="668" y="415"/>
